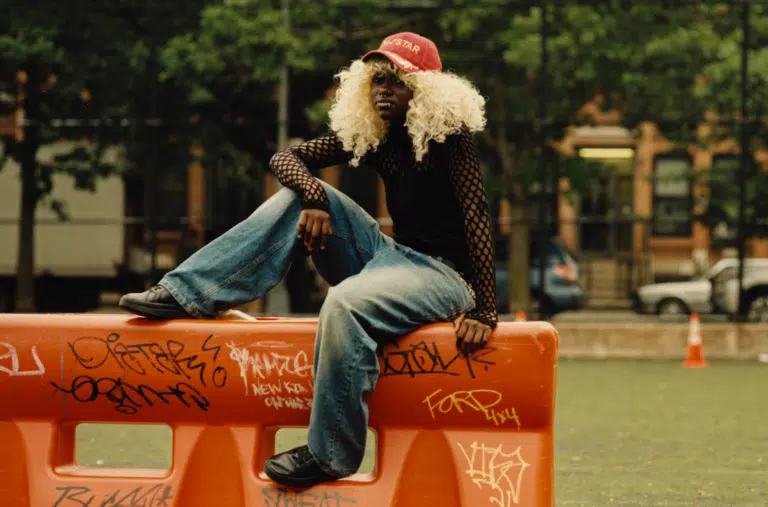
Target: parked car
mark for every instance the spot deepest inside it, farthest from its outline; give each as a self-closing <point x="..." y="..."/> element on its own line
<point x="725" y="296"/>
<point x="696" y="295"/>
<point x="562" y="290"/>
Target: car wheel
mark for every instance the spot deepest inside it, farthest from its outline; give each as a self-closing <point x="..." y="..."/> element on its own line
<point x="758" y="309"/>
<point x="672" y="307"/>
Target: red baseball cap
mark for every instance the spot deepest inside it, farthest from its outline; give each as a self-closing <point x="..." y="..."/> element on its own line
<point x="409" y="52"/>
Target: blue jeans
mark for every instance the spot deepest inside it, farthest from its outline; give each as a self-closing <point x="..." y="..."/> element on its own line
<point x="380" y="290"/>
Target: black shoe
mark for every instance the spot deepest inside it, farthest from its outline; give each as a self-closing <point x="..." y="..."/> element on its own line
<point x="155" y="303"/>
<point x="296" y="469"/>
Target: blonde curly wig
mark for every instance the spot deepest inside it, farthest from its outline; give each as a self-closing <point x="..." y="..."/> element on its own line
<point x="442" y="103"/>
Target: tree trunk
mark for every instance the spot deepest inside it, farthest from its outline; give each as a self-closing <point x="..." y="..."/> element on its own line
<point x="518" y="285"/>
<point x="517" y="260"/>
<point x="25" y="262"/>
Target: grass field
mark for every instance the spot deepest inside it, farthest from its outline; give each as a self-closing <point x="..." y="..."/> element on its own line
<point x="628" y="433"/>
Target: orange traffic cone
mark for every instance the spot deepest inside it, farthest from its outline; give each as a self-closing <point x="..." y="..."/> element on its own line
<point x="695" y="357"/>
<point x="520" y="316"/>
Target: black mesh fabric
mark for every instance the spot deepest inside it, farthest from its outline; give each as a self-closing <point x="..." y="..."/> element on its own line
<point x="292" y="168"/>
<point x="467" y="179"/>
<point x="438" y="206"/>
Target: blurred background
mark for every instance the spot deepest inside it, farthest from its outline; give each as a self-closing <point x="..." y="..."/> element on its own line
<point x="624" y="161"/>
<point x="623" y="155"/>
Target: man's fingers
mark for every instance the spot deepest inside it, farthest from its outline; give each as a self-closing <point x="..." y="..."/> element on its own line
<point x="464" y="329"/>
<point x="471" y="335"/>
<point x="314" y="225"/>
<point x="302" y="223"/>
<point x="468" y="347"/>
<point x="326" y="232"/>
<point x="462" y="333"/>
<point x="307" y="233"/>
<point x="317" y="226"/>
<point x="461" y="330"/>
<point x="327" y="226"/>
<point x="457" y="322"/>
<point x="476" y="337"/>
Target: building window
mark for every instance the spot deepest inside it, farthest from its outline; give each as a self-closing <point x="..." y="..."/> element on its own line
<point x="672" y="196"/>
<point x="722" y="211"/>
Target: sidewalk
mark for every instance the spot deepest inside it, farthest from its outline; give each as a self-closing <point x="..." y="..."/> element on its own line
<point x="626" y="316"/>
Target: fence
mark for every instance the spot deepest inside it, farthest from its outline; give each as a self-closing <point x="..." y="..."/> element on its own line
<point x="204" y="169"/>
<point x="81" y="259"/>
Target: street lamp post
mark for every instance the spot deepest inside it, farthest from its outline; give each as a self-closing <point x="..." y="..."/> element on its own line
<point x="543" y="166"/>
<point x="278" y="300"/>
<point x="744" y="151"/>
<point x="282" y="106"/>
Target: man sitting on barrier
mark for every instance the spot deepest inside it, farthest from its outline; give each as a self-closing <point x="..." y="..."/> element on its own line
<point x="397" y="112"/>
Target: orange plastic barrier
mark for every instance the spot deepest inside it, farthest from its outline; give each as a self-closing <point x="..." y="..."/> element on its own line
<point x="452" y="430"/>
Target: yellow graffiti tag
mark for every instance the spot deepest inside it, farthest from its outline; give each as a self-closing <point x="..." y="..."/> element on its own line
<point x="477" y="400"/>
<point x="493" y="468"/>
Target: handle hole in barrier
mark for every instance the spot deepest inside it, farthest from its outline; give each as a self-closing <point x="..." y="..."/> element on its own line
<point x="288" y="438"/>
<point x="146" y="446"/>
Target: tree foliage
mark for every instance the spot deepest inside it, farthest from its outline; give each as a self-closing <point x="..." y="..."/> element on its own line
<point x="208" y="70"/>
<point x="84" y="71"/>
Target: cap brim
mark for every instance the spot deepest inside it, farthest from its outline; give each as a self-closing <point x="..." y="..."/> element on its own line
<point x="398" y="61"/>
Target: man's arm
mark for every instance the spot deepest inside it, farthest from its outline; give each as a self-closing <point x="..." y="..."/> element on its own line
<point x="292" y="168"/>
<point x="467" y="180"/>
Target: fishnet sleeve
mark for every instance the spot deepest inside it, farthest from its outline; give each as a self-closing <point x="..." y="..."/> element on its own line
<point x="467" y="180"/>
<point x="292" y="168"/>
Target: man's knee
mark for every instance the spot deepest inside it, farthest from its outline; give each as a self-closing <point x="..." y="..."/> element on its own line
<point x="280" y="202"/>
<point x="339" y="199"/>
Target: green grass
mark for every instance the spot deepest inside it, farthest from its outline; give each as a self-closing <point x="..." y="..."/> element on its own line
<point x="654" y="433"/>
<point x="123" y="445"/>
<point x="633" y="433"/>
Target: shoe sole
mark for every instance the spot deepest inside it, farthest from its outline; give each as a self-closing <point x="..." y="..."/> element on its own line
<point x="151" y="311"/>
<point x="293" y="483"/>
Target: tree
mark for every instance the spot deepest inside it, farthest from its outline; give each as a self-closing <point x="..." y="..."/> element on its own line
<point x="638" y="59"/>
<point x="70" y="65"/>
<point x="229" y="65"/>
<point x="721" y="90"/>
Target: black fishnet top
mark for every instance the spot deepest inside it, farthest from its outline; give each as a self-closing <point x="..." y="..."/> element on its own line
<point x="438" y="206"/>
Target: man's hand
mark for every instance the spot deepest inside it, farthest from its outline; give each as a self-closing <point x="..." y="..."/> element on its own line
<point x="471" y="334"/>
<point x="314" y="225"/>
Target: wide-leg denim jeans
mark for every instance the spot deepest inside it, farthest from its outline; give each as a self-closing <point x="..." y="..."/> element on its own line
<point x="380" y="290"/>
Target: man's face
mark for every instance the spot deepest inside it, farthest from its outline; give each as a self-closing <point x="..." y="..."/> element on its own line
<point x="390" y="96"/>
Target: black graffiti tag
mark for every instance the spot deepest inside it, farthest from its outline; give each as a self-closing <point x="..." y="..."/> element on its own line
<point x="73" y="496"/>
<point x="129" y="398"/>
<point x="170" y="357"/>
<point x="281" y="497"/>
<point x="423" y="359"/>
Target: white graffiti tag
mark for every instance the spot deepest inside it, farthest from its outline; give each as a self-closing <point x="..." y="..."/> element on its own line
<point x="283" y="381"/>
<point x="286" y="394"/>
<point x="490" y="466"/>
<point x="265" y="365"/>
<point x="14" y="371"/>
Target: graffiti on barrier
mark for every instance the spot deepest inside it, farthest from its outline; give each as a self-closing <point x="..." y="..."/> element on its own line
<point x="491" y="467"/>
<point x="10" y="364"/>
<point x="484" y="401"/>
